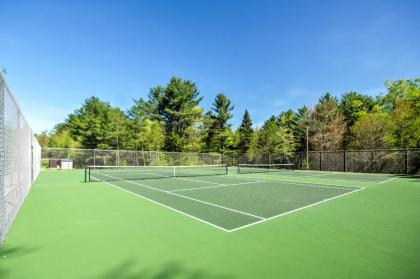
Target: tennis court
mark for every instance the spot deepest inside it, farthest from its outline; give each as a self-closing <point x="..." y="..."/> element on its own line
<point x="160" y="222"/>
<point x="219" y="197"/>
<point x="288" y="170"/>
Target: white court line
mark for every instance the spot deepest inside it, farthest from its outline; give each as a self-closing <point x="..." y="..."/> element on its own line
<point x="326" y="178"/>
<point x="196" y="180"/>
<point x="164" y="205"/>
<point x="218" y="186"/>
<point x="214" y="225"/>
<point x="186" y="179"/>
<point x="216" y="205"/>
<point x="388" y="180"/>
<point x="316" y="176"/>
<point x="294" y="210"/>
<point x="299" y="183"/>
<point x="189" y="198"/>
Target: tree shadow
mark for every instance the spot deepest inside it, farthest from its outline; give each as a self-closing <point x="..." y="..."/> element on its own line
<point x="414" y="178"/>
<point x="7" y="252"/>
<point x="170" y="270"/>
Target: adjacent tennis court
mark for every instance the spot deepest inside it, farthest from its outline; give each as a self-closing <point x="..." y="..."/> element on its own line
<point x="214" y="196"/>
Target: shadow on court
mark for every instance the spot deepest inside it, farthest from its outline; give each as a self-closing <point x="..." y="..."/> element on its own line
<point x="412" y="178"/>
<point x="170" y="270"/>
<point x="9" y="252"/>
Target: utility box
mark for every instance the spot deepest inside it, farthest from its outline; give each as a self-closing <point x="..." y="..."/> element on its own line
<point x="66" y="164"/>
<point x="60" y="164"/>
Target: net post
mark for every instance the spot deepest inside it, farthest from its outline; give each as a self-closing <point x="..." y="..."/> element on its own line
<point x="89" y="173"/>
<point x="406" y="161"/>
<point x="174" y="171"/>
<point x="85" y="174"/>
<point x="227" y="169"/>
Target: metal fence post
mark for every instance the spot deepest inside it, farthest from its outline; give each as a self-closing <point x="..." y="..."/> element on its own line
<point x="320" y="160"/>
<point x="344" y="160"/>
<point x="371" y="159"/>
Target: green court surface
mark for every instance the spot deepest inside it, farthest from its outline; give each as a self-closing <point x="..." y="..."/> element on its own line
<point x="290" y="224"/>
<point x="227" y="202"/>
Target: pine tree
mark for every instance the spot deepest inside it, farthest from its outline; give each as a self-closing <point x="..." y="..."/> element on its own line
<point x="245" y="133"/>
<point x="219" y="128"/>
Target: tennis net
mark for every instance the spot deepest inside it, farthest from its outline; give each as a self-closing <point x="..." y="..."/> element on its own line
<point x="263" y="168"/>
<point x="112" y="173"/>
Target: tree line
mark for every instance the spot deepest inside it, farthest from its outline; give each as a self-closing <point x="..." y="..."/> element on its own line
<point x="171" y="119"/>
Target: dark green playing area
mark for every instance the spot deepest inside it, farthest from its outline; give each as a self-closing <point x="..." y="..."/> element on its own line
<point x="228" y="202"/>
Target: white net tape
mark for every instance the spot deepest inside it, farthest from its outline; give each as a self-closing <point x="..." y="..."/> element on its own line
<point x="20" y="157"/>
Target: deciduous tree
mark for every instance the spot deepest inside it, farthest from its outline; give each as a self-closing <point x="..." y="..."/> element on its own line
<point x="327" y="125"/>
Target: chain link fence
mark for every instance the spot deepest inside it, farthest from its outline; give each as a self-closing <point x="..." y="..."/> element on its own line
<point x="20" y="158"/>
<point x="101" y="157"/>
<point x="396" y="161"/>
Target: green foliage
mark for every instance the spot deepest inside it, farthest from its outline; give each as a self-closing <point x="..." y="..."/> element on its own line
<point x="288" y="119"/>
<point x="98" y="125"/>
<point x="306" y="165"/>
<point x="146" y="134"/>
<point x="272" y="138"/>
<point x="178" y="108"/>
<point x="303" y="121"/>
<point x="148" y="108"/>
<point x="327" y="97"/>
<point x="171" y="119"/>
<point x="218" y="129"/>
<point x="246" y="133"/>
<point x="354" y="105"/>
<point x="327" y="125"/>
<point x="369" y="132"/>
<point x="222" y="108"/>
<point x="403" y="104"/>
<point x="63" y="139"/>
<point x="193" y="139"/>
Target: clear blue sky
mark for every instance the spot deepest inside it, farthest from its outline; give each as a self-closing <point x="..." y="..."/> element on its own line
<point x="267" y="56"/>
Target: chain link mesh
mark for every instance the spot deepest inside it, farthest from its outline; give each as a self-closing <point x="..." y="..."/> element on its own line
<point x="400" y="161"/>
<point x="101" y="157"/>
<point x="20" y="156"/>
